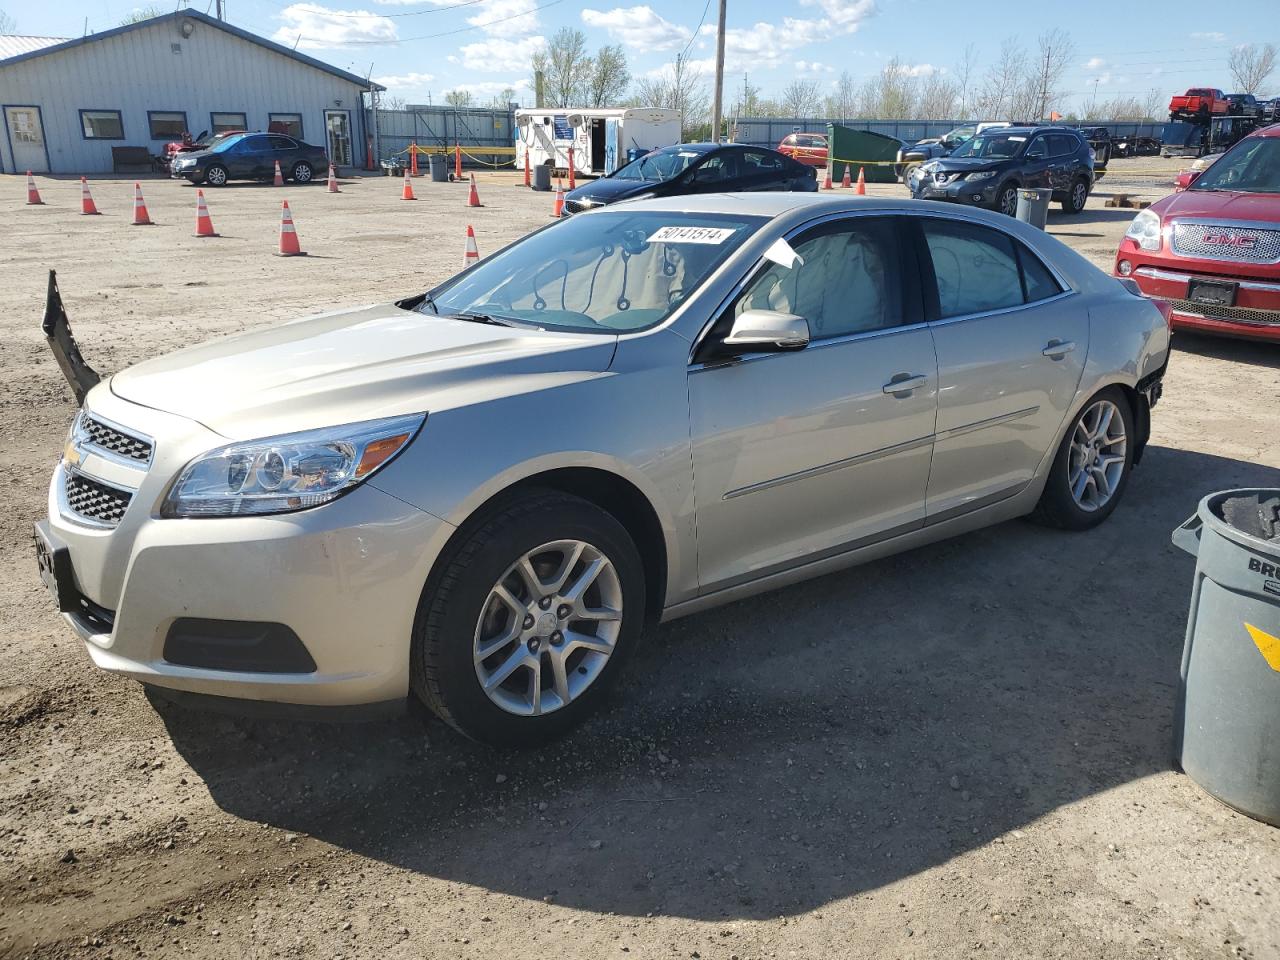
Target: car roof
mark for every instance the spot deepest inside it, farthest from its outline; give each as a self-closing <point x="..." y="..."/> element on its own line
<point x="1270" y="131"/>
<point x="765" y="203"/>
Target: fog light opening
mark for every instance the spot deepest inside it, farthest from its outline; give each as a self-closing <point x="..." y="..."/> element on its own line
<point x="1124" y="267"/>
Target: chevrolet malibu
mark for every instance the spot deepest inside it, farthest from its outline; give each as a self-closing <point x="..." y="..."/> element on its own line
<point x="478" y="495"/>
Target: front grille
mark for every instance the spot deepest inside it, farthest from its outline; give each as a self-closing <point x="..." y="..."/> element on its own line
<point x="95" y="501"/>
<point x="115" y="441"/>
<point x="1218" y="312"/>
<point x="1225" y="241"/>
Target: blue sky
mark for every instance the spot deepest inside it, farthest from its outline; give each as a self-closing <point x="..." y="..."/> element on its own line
<point x="422" y="48"/>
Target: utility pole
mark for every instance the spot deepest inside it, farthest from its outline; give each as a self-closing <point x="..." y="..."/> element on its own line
<point x="219" y="9"/>
<point x="717" y="96"/>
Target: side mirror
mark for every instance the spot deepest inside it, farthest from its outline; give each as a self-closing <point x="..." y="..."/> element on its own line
<point x="767" y="331"/>
<point x="1186" y="179"/>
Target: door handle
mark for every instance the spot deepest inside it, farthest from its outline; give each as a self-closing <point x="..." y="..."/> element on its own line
<point x="903" y="384"/>
<point x="1057" y="349"/>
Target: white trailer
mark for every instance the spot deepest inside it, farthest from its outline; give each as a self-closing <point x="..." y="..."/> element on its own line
<point x="601" y="138"/>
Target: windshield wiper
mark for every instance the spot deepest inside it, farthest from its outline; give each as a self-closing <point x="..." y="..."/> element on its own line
<point x="428" y="301"/>
<point x="485" y="318"/>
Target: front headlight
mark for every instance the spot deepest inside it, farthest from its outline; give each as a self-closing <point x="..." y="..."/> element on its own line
<point x="1145" y="229"/>
<point x="290" y="472"/>
<point x="981" y="175"/>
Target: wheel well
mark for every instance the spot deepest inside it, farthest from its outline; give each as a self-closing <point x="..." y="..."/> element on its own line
<point x="617" y="497"/>
<point x="1141" y="410"/>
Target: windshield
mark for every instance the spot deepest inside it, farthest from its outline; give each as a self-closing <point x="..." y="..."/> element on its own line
<point x="1251" y="166"/>
<point x="610" y="271"/>
<point x="958" y="135"/>
<point x="218" y="144"/>
<point x="659" y="165"/>
<point x="994" y="146"/>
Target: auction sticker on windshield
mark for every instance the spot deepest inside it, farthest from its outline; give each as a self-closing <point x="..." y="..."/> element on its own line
<point x="713" y="235"/>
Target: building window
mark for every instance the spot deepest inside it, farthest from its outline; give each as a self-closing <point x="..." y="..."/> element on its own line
<point x="167" y="124"/>
<point x="289" y="124"/>
<point x="101" y="125"/>
<point x="222" y="122"/>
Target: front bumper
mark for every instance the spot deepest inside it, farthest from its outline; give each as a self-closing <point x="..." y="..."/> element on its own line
<point x="980" y="193"/>
<point x="345" y="578"/>
<point x="1255" y="315"/>
<point x="190" y="173"/>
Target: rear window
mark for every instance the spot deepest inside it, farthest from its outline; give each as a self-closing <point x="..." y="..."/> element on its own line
<point x="979" y="270"/>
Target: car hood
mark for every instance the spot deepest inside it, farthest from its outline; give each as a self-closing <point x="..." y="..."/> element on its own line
<point x="1233" y="206"/>
<point x="968" y="164"/>
<point x="353" y="365"/>
<point x="197" y="154"/>
<point x="608" y="189"/>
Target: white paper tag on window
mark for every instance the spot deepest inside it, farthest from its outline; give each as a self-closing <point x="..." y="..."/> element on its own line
<point x="713" y="235"/>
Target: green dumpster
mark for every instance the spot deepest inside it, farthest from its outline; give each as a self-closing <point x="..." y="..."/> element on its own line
<point x="875" y="153"/>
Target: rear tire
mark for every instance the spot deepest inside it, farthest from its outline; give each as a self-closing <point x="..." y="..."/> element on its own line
<point x="1076" y="197"/>
<point x="482" y="599"/>
<point x="1095" y="458"/>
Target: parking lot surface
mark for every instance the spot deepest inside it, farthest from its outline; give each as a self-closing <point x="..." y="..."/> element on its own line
<point x="962" y="751"/>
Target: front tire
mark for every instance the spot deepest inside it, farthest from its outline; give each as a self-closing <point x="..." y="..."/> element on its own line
<point x="529" y="621"/>
<point x="302" y="173"/>
<point x="216" y="176"/>
<point x="1091" y="469"/>
<point x="1007" y="200"/>
<point x="1076" y="197"/>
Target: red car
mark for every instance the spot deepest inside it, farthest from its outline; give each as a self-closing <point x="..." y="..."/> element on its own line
<point x="1212" y="250"/>
<point x="808" y="148"/>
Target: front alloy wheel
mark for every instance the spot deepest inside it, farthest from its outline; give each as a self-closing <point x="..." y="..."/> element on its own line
<point x="1008" y="201"/>
<point x="548" y="628"/>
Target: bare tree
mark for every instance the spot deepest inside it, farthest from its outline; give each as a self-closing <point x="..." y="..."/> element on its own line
<point x="801" y="98"/>
<point x="607" y="77"/>
<point x="937" y="99"/>
<point x="1054" y="53"/>
<point x="458" y="98"/>
<point x="387" y="102"/>
<point x="503" y="98"/>
<point x="138" y="14"/>
<point x="680" y="86"/>
<point x="7" y="23"/>
<point x="1251" y="65"/>
<point x="1000" y="84"/>
<point x="565" y="66"/>
<point x="842" y="102"/>
<point x="964" y="77"/>
<point x="748" y="102"/>
<point x="1153" y="104"/>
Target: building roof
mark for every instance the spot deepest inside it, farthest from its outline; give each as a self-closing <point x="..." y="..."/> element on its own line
<point x="12" y="45"/>
<point x="52" y="45"/>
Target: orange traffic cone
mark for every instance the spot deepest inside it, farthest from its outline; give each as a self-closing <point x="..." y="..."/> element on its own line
<point x="33" y="195"/>
<point x="473" y="198"/>
<point x="826" y="181"/>
<point x="572" y="180"/>
<point x="140" y="216"/>
<point x="558" y="209"/>
<point x="862" y="183"/>
<point x="470" y="253"/>
<point x="87" y="207"/>
<point x="407" y="192"/>
<point x="204" y="225"/>
<point x="288" y="235"/>
<point x="846" y="181"/>
<point x="526" y="167"/>
<point x="333" y="180"/>
<point x="413" y="158"/>
<point x="279" y="178"/>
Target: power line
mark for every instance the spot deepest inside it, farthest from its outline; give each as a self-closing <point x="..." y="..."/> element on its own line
<point x="693" y="36"/>
<point x="413" y="13"/>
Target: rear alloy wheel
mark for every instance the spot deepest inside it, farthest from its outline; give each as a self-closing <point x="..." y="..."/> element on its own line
<point x="1092" y="466"/>
<point x="1075" y="200"/>
<point x="216" y="176"/>
<point x="1007" y="200"/>
<point x="529" y="621"/>
<point x="302" y="172"/>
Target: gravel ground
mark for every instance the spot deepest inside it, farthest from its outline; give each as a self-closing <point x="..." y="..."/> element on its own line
<point x="962" y="751"/>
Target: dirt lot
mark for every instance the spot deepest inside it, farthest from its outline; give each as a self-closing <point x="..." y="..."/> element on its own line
<point x="960" y="752"/>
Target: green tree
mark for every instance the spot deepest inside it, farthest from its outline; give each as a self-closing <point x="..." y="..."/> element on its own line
<point x="138" y="14"/>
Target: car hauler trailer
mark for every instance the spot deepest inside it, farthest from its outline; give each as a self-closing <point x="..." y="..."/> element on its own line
<point x="602" y="139"/>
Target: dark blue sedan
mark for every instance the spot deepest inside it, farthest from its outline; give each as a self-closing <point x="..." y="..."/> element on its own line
<point x="250" y="156"/>
<point x="695" y="168"/>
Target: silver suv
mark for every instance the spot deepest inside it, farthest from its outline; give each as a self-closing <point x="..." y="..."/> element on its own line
<point x="480" y="494"/>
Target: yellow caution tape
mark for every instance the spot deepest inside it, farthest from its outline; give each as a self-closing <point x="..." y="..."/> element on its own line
<point x="1267" y="645"/>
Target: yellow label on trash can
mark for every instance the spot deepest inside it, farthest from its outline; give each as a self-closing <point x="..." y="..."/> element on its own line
<point x="1267" y="645"/>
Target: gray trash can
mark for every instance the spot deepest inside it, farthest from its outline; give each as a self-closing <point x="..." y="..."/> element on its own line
<point x="1033" y="206"/>
<point x="439" y="167"/>
<point x="542" y="177"/>
<point x="1227" y="728"/>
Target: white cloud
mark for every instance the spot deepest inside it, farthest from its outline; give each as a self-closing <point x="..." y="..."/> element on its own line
<point x="490" y="88"/>
<point x="1094" y="63"/>
<point x="921" y="69"/>
<point x="321" y="28"/>
<point x="812" y="68"/>
<point x="637" y="27"/>
<point x="768" y="44"/>
<point x="1212" y="36"/>
<point x="499" y="54"/>
<point x="506" y="18"/>
<point x="844" y="16"/>
<point x="405" y="82"/>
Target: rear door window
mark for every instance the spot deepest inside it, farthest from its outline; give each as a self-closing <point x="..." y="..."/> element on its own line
<point x="980" y="270"/>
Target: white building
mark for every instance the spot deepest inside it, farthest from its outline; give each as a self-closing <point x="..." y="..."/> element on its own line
<point x="66" y="103"/>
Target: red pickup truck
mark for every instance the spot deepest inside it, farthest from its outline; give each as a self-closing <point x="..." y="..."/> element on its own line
<point x="1198" y="103"/>
<point x="1212" y="250"/>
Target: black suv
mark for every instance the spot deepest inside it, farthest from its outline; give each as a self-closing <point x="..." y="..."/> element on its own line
<point x="988" y="170"/>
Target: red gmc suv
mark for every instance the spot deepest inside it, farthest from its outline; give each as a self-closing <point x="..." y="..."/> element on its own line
<point x="1212" y="250"/>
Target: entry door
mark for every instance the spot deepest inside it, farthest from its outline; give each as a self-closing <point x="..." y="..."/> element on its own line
<point x="337" y="124"/>
<point x="611" y="159"/>
<point x="26" y="134"/>
<point x="807" y="454"/>
<point x="1011" y="348"/>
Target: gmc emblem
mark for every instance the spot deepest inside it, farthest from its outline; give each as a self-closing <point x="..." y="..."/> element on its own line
<point x="1239" y="241"/>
